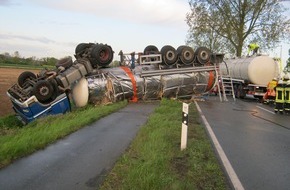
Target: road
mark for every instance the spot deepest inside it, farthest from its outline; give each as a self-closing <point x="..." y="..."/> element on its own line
<point x="81" y="160"/>
<point x="255" y="140"/>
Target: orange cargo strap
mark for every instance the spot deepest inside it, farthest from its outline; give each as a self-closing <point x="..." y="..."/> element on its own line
<point x="211" y="80"/>
<point x="130" y="74"/>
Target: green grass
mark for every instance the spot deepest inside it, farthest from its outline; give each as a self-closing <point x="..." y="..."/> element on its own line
<point x="155" y="161"/>
<point x="9" y="125"/>
<point x="21" y="66"/>
<point x="17" y="141"/>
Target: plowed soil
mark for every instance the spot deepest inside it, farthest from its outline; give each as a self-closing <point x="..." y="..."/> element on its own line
<point x="8" y="77"/>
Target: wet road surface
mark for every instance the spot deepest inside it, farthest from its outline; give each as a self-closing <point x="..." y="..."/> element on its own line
<point x="255" y="140"/>
<point x="81" y="160"/>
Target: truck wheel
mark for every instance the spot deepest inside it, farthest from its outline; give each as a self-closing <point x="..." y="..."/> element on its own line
<point x="43" y="91"/>
<point x="240" y="92"/>
<point x="169" y="55"/>
<point x="151" y="49"/>
<point x="102" y="54"/>
<point x="64" y="62"/>
<point x="24" y="77"/>
<point x="260" y="98"/>
<point x="185" y="54"/>
<point x="81" y="48"/>
<point x="55" y="88"/>
<point x="202" y="55"/>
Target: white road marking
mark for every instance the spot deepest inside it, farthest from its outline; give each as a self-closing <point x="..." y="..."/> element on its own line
<point x="265" y="110"/>
<point x="228" y="167"/>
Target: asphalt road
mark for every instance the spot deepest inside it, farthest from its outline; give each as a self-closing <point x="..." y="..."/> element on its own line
<point x="81" y="160"/>
<point x="255" y="140"/>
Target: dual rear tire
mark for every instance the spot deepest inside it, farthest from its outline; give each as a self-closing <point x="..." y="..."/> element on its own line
<point x="100" y="55"/>
<point x="185" y="55"/>
<point x="169" y="55"/>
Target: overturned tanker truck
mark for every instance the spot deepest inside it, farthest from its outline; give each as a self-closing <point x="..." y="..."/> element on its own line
<point x="170" y="72"/>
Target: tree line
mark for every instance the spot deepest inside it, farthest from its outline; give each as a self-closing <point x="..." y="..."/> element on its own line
<point x="16" y="59"/>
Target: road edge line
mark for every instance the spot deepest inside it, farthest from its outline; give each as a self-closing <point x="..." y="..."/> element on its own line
<point x="266" y="110"/>
<point x="225" y="161"/>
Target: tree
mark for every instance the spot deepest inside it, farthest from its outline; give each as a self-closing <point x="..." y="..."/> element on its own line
<point x="16" y="58"/>
<point x="16" y="54"/>
<point x="227" y="25"/>
<point x="49" y="61"/>
<point x="6" y="54"/>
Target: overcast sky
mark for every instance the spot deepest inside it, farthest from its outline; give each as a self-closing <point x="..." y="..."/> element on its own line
<point x="53" y="28"/>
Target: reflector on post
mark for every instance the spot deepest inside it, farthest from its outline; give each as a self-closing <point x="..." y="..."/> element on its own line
<point x="184" y="126"/>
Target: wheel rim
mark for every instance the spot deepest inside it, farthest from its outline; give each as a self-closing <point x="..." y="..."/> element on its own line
<point x="187" y="55"/>
<point x="204" y="55"/>
<point x="170" y="55"/>
<point x="43" y="90"/>
<point x="104" y="55"/>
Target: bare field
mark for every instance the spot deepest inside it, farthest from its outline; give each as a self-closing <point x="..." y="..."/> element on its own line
<point x="8" y="77"/>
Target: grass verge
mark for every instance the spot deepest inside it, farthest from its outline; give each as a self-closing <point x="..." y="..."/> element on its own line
<point x="154" y="159"/>
<point x="20" y="66"/>
<point x="17" y="141"/>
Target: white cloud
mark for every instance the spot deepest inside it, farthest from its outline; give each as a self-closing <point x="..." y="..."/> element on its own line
<point x="57" y="26"/>
<point x="164" y="12"/>
<point x="27" y="38"/>
<point x="34" y="46"/>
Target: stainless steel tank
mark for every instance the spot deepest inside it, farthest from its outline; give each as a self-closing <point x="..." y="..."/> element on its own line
<point x="114" y="84"/>
<point x="258" y="70"/>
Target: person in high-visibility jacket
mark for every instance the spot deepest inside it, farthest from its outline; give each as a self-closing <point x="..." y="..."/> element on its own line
<point x="280" y="97"/>
<point x="270" y="94"/>
<point x="253" y="47"/>
<point x="287" y="97"/>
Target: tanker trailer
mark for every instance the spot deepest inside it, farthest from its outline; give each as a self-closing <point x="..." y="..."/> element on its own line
<point x="155" y="78"/>
<point x="250" y="75"/>
<point x="144" y="82"/>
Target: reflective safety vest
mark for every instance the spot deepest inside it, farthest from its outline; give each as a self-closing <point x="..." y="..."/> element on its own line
<point x="253" y="46"/>
<point x="270" y="88"/>
<point x="287" y="94"/>
<point x="280" y="90"/>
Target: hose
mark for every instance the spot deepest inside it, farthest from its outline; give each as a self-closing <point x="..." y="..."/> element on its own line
<point x="254" y="114"/>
